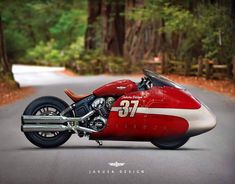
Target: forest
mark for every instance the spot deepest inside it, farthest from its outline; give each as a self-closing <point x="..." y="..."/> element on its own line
<point x="115" y="36"/>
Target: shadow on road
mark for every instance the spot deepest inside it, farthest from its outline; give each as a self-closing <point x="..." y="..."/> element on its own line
<point x="107" y="147"/>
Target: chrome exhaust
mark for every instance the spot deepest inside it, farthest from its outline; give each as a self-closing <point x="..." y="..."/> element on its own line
<point x="31" y="119"/>
<point x="31" y="123"/>
<point x="44" y="128"/>
<point x="53" y="128"/>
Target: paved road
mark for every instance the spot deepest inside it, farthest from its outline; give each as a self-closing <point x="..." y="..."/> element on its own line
<point x="208" y="158"/>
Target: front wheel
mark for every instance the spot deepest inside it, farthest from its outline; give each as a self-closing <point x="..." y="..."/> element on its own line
<point x="170" y="144"/>
<point x="47" y="106"/>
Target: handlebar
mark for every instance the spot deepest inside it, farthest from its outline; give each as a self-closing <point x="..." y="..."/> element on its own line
<point x="144" y="83"/>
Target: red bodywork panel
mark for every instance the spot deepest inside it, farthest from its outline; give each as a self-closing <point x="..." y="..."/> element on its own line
<point x="178" y="99"/>
<point x="116" y="88"/>
<point x="141" y="127"/>
<point x="144" y="127"/>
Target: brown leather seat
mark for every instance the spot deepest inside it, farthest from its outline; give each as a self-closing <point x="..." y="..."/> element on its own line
<point x="74" y="96"/>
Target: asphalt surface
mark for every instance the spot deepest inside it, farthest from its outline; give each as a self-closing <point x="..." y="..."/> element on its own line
<point x="208" y="158"/>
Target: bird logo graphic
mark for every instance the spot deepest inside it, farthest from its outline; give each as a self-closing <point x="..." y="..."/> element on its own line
<point x="116" y="164"/>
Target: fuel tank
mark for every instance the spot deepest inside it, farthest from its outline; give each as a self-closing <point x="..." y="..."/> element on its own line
<point x="116" y="88"/>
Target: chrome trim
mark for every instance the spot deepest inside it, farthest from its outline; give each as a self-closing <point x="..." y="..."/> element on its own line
<point x="53" y="128"/>
<point x="84" y="129"/>
<point x="31" y="119"/>
<point x="44" y="128"/>
<point x="32" y="123"/>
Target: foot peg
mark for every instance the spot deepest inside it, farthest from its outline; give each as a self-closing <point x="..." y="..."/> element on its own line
<point x="99" y="142"/>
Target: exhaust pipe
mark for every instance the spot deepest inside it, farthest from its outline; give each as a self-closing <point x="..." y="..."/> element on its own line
<point x="32" y="123"/>
<point x="53" y="128"/>
<point x="31" y="119"/>
<point x="44" y="128"/>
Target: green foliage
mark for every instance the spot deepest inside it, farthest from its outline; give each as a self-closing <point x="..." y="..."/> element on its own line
<point x="17" y="43"/>
<point x="71" y="24"/>
<point x="46" y="54"/>
<point x="49" y="54"/>
<point x="96" y="63"/>
<point x="76" y="48"/>
<point x="201" y="30"/>
<point x="30" y="25"/>
<point x="151" y="11"/>
<point x="51" y="32"/>
<point x="210" y="34"/>
<point x="215" y="27"/>
<point x="98" y="29"/>
<point x="176" y="19"/>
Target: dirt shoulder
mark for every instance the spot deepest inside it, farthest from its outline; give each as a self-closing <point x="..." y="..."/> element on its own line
<point x="226" y="87"/>
<point x="68" y="72"/>
<point x="9" y="93"/>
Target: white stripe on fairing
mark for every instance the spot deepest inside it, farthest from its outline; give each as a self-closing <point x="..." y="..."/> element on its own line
<point x="200" y="120"/>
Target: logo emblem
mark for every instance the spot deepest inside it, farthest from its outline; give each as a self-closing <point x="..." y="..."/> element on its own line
<point x="121" y="87"/>
<point x="116" y="164"/>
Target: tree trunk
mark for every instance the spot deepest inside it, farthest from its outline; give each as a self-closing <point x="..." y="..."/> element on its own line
<point x="233" y="63"/>
<point x="113" y="27"/>
<point x="233" y="9"/>
<point x="6" y="66"/>
<point x="94" y="12"/>
<point x="141" y="38"/>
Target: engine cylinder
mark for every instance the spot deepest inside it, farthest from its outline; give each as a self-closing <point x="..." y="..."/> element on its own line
<point x="100" y="107"/>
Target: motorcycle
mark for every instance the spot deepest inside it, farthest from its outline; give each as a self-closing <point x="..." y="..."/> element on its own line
<point x="155" y="109"/>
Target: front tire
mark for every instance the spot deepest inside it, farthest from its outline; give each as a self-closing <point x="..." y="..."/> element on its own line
<point x="170" y="144"/>
<point x="45" y="106"/>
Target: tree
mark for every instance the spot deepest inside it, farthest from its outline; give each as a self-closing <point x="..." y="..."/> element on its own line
<point x="6" y="66"/>
<point x="94" y="12"/>
<point x="106" y="29"/>
<point x="141" y="37"/>
<point x="113" y="22"/>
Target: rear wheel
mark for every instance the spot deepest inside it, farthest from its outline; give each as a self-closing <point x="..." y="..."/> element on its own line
<point x="47" y="106"/>
<point x="170" y="144"/>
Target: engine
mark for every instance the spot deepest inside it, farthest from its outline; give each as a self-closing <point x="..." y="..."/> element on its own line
<point x="102" y="106"/>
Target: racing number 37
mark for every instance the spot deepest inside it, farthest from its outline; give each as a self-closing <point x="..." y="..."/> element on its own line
<point x="126" y="109"/>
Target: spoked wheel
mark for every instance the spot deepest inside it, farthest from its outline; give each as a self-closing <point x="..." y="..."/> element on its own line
<point x="47" y="106"/>
<point x="170" y="144"/>
<point x="47" y="111"/>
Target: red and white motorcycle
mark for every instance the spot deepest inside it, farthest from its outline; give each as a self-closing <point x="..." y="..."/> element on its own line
<point x="155" y="109"/>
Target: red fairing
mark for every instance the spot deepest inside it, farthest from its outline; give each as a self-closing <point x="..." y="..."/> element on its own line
<point x="144" y="126"/>
<point x="161" y="97"/>
<point x="179" y="99"/>
<point x="116" y="88"/>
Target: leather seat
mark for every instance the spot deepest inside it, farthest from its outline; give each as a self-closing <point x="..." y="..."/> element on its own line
<point x="74" y="96"/>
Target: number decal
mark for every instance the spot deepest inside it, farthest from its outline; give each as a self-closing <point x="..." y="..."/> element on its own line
<point x="134" y="108"/>
<point x="123" y="112"/>
<point x="125" y="108"/>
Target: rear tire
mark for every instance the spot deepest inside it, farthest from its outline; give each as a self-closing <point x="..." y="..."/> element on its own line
<point x="170" y="144"/>
<point x="38" y="138"/>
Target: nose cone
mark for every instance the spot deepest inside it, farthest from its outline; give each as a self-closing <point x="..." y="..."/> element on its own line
<point x="201" y="121"/>
<point x="208" y="120"/>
